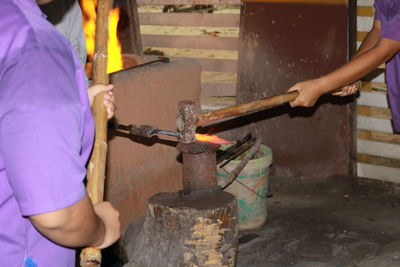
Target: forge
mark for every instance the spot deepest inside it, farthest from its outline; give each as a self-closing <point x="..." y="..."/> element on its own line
<point x="198" y="224"/>
<point x="195" y="201"/>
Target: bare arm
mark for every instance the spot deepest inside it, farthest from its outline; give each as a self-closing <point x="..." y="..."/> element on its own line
<point x="354" y="70"/>
<point x="80" y="224"/>
<point x="369" y="42"/>
<point x="363" y="64"/>
<point x="371" y="39"/>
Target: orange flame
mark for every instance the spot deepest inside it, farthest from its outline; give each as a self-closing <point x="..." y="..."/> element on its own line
<point x="212" y="139"/>
<point x="89" y="25"/>
<point x="114" y="62"/>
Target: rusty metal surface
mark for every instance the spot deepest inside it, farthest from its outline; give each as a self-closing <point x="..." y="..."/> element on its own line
<point x="186" y="122"/>
<point x="199" y="166"/>
<point x="138" y="167"/>
<point x="281" y="44"/>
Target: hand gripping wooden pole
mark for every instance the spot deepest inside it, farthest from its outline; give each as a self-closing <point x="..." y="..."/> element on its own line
<point x="97" y="163"/>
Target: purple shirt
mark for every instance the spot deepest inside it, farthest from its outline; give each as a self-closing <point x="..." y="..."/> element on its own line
<point x="388" y="12"/>
<point x="46" y="132"/>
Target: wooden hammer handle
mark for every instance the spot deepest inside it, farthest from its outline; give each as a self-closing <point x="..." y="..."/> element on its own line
<point x="97" y="162"/>
<point x="241" y="109"/>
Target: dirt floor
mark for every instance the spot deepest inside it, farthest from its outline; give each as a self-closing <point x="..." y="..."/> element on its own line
<point x="343" y="222"/>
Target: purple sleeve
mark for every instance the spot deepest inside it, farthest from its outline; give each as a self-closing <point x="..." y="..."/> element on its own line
<point x="40" y="131"/>
<point x="378" y="9"/>
<point x="391" y="29"/>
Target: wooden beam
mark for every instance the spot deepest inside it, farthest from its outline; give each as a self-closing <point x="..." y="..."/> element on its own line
<point x="321" y="2"/>
<point x="196" y="42"/>
<point x="190" y="19"/>
<point x="215" y="65"/>
<point x="379" y="136"/>
<point x="376" y="160"/>
<point x="361" y="36"/>
<point x="376" y="112"/>
<point x="374" y="86"/>
<point x="218" y="89"/>
<point x="365" y="11"/>
<point x="129" y="31"/>
<point x="189" y="2"/>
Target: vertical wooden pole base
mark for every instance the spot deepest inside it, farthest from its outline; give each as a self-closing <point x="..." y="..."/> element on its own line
<point x="90" y="257"/>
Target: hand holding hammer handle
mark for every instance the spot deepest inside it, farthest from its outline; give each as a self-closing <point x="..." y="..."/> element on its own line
<point x="241" y="109"/>
<point x="97" y="163"/>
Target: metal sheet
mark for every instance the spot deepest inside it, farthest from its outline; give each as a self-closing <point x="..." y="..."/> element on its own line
<point x="281" y="44"/>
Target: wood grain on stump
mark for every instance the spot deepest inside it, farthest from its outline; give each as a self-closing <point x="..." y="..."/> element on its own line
<point x="199" y="229"/>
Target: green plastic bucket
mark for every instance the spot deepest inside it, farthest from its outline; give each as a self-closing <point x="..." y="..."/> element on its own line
<point x="250" y="188"/>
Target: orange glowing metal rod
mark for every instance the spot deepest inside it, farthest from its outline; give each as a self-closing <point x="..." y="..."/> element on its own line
<point x="212" y="139"/>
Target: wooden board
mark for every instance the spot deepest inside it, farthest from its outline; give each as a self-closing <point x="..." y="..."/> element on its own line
<point x="319" y="2"/>
<point x="376" y="112"/>
<point x="179" y="41"/>
<point x="378" y="136"/>
<point x="218" y="89"/>
<point x="190" y="19"/>
<point x="377" y="160"/>
<point x="365" y="11"/>
<point x="188" y="2"/>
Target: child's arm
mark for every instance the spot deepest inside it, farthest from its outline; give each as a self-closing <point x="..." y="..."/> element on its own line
<point x="354" y="70"/>
<point x="369" y="41"/>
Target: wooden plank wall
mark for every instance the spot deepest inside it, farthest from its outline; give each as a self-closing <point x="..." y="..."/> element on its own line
<point x="378" y="149"/>
<point x="210" y="38"/>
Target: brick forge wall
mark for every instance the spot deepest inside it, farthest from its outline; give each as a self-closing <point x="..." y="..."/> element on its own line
<point x="138" y="168"/>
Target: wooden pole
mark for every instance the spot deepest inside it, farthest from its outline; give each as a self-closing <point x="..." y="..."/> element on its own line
<point x="96" y="167"/>
<point x="260" y="104"/>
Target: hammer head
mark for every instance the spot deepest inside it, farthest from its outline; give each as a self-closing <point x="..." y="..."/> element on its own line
<point x="186" y="122"/>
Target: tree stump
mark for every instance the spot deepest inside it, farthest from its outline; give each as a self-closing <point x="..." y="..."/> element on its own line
<point x="198" y="229"/>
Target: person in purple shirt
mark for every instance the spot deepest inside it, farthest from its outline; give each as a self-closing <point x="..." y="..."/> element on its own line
<point x="46" y="136"/>
<point x="382" y="44"/>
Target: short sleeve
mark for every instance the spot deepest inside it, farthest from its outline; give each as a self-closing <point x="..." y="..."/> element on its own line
<point x="378" y="9"/>
<point x="391" y="28"/>
<point x="40" y="130"/>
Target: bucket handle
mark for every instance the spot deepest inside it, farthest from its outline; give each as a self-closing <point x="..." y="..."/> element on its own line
<point x="234" y="174"/>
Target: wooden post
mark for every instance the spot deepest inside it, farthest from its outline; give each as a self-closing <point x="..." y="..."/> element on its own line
<point x="97" y="163"/>
<point x="129" y="33"/>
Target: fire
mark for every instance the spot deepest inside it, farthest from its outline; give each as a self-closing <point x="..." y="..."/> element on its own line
<point x="114" y="46"/>
<point x="212" y="139"/>
<point x="89" y="25"/>
<point x="114" y="62"/>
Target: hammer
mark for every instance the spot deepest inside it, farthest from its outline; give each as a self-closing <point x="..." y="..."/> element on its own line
<point x="188" y="121"/>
